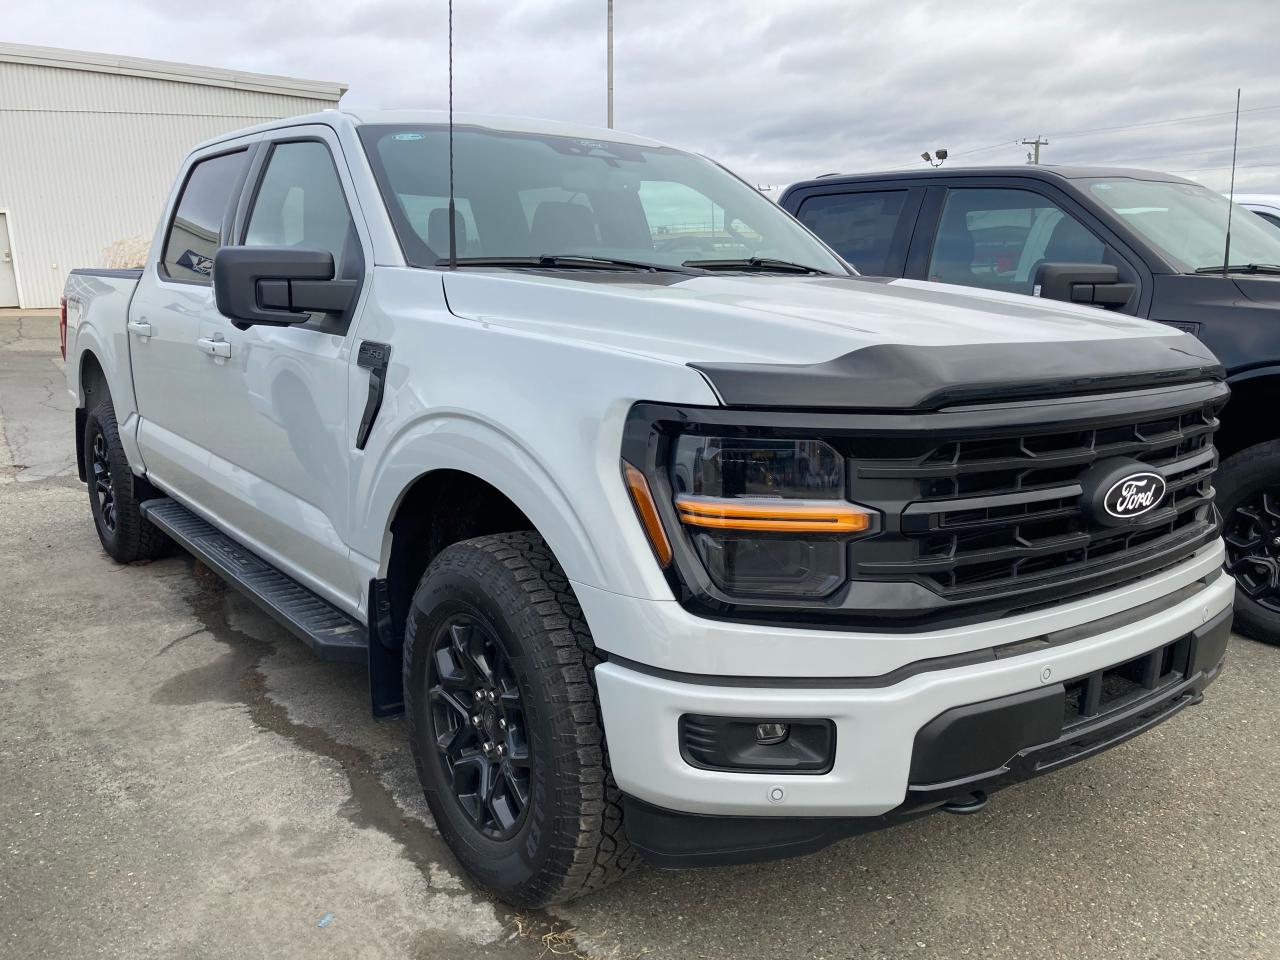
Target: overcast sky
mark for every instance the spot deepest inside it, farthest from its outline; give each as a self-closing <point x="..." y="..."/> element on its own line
<point x="777" y="90"/>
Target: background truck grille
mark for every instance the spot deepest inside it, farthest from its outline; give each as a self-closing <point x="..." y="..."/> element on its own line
<point x="991" y="514"/>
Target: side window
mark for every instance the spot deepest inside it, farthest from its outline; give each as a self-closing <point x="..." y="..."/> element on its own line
<point x="195" y="232"/>
<point x="300" y="203"/>
<point x="996" y="238"/>
<point x="858" y="226"/>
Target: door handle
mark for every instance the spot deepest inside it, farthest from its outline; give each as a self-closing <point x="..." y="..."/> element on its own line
<point x="140" y="327"/>
<point x="215" y="348"/>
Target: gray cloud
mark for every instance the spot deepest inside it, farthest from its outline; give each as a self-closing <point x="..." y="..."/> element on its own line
<point x="777" y="91"/>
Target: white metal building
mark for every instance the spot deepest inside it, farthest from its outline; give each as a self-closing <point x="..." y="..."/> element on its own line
<point x="90" y="144"/>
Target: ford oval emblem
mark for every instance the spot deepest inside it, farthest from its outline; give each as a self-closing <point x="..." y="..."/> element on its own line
<point x="1134" y="495"/>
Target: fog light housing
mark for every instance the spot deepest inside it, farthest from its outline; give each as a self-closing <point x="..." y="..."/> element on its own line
<point x="758" y="744"/>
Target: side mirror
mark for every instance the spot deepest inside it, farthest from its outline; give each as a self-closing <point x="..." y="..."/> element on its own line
<point x="1094" y="283"/>
<point x="277" y="286"/>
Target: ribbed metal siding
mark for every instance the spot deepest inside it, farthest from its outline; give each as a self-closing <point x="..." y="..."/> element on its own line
<point x="87" y="159"/>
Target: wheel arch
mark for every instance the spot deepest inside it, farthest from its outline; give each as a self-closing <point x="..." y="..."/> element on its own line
<point x="1243" y="425"/>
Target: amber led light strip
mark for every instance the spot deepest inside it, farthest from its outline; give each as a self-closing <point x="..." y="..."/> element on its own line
<point x="776" y="516"/>
<point x="648" y="512"/>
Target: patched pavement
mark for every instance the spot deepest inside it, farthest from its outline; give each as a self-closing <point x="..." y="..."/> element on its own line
<point x="179" y="777"/>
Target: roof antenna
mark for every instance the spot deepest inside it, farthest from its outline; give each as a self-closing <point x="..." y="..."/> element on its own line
<point x="1231" y="197"/>
<point x="453" y="230"/>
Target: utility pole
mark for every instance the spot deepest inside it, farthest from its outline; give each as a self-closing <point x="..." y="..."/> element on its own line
<point x="610" y="66"/>
<point x="1035" y="144"/>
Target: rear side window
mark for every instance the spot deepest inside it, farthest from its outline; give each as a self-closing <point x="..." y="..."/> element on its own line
<point x="858" y="226"/>
<point x="196" y="229"/>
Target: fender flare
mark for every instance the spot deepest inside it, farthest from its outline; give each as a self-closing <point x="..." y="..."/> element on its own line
<point x="89" y="340"/>
<point x="454" y="440"/>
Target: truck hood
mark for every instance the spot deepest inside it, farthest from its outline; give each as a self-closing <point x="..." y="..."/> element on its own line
<point x="750" y="328"/>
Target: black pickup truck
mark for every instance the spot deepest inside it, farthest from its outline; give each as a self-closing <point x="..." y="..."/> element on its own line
<point x="1136" y="242"/>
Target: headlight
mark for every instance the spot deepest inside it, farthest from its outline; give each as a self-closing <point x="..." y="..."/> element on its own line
<point x="766" y="517"/>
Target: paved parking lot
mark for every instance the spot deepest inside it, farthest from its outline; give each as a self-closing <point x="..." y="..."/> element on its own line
<point x="178" y="777"/>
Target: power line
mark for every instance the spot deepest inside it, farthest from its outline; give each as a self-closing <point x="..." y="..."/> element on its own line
<point x="1157" y="123"/>
<point x="1243" y="166"/>
<point x="1176" y="156"/>
<point x="1118" y="127"/>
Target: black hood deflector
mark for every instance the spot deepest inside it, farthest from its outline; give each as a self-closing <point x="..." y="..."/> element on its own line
<point x="909" y="377"/>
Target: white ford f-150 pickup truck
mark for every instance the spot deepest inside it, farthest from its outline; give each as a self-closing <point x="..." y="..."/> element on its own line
<point x="672" y="536"/>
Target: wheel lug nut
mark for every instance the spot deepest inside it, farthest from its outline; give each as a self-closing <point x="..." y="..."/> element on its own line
<point x="500" y="750"/>
<point x="476" y="719"/>
<point x="479" y="695"/>
<point x="490" y="696"/>
<point x="488" y="746"/>
<point x="502" y="724"/>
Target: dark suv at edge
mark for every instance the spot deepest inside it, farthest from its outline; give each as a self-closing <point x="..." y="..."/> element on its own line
<point x="1137" y="242"/>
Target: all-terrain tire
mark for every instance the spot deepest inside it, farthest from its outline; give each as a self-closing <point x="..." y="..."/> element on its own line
<point x="114" y="492"/>
<point x="1240" y="481"/>
<point x="571" y="838"/>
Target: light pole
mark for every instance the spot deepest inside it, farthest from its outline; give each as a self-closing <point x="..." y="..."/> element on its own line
<point x="610" y="65"/>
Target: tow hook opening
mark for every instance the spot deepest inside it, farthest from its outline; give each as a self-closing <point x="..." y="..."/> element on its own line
<point x="962" y="806"/>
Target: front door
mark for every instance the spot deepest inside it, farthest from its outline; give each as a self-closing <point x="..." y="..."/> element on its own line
<point x="8" y="279"/>
<point x="282" y="446"/>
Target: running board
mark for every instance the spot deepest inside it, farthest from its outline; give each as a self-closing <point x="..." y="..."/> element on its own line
<point x="328" y="631"/>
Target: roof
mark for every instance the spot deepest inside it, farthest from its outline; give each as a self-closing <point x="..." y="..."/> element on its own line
<point x="363" y="117"/>
<point x="166" y="70"/>
<point x="1032" y="171"/>
<point x="497" y="122"/>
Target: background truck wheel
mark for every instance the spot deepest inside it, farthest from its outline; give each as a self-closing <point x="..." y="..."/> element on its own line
<point x="504" y="725"/>
<point x="114" y="492"/>
<point x="1248" y="487"/>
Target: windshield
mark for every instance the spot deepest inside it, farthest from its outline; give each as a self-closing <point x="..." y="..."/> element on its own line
<point x="1188" y="222"/>
<point x="534" y="195"/>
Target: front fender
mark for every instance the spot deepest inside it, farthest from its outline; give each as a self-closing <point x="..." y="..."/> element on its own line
<point x="453" y="440"/>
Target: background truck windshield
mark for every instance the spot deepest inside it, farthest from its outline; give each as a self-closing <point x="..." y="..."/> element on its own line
<point x="529" y="195"/>
<point x="1188" y="223"/>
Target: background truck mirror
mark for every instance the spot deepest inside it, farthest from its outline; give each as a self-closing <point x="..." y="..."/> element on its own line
<point x="1092" y="283"/>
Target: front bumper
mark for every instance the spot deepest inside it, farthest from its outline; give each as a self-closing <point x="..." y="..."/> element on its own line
<point x="877" y="771"/>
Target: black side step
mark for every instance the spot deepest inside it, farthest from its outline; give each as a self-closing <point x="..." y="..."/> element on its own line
<point x="331" y="633"/>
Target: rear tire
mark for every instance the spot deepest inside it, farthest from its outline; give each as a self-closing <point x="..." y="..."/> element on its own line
<point x="1248" y="496"/>
<point x="115" y="493"/>
<point x="498" y="655"/>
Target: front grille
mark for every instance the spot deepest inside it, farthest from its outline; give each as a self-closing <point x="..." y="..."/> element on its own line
<point x="984" y="515"/>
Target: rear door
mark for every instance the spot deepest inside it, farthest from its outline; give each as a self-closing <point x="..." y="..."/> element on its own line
<point x="869" y="224"/>
<point x="172" y="378"/>
<point x="278" y="435"/>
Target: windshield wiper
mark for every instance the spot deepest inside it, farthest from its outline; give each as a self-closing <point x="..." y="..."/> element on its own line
<point x="1242" y="268"/>
<point x="756" y="263"/>
<point x="562" y="261"/>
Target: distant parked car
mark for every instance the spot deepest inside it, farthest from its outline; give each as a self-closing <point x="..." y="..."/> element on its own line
<point x="1129" y="241"/>
<point x="1265" y="205"/>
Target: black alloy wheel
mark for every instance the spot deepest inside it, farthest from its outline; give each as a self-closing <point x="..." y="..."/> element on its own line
<point x="478" y="718"/>
<point x="103" y="486"/>
<point x="1252" y="535"/>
